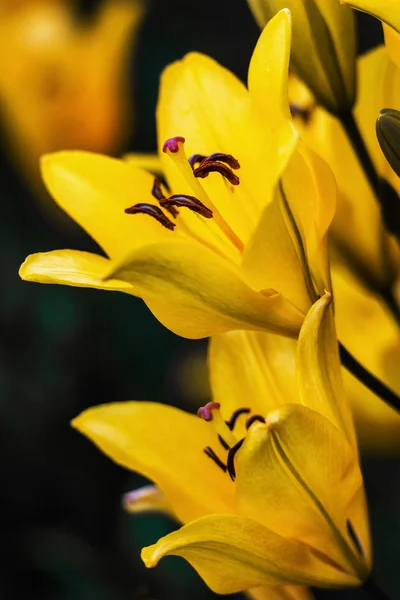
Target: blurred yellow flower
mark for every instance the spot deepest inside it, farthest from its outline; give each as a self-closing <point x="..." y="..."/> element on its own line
<point x="64" y="84"/>
<point x="267" y="500"/>
<point x="358" y="237"/>
<point x="323" y="47"/>
<point x="247" y="252"/>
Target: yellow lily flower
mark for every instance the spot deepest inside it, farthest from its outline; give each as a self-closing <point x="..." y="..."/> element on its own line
<point x="63" y="83"/>
<point x="323" y="47"/>
<point x="265" y="501"/>
<point x="201" y="257"/>
<point x="358" y="237"/>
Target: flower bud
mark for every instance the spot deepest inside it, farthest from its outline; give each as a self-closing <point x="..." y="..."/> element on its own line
<point x="323" y="47"/>
<point x="388" y="134"/>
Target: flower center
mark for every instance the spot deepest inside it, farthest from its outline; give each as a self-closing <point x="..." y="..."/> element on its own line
<point x="197" y="166"/>
<point x="225" y="430"/>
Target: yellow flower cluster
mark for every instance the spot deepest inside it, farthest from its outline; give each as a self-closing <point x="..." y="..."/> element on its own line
<point x="233" y="243"/>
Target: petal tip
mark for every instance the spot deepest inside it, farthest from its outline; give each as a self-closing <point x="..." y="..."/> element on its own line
<point x="150" y="556"/>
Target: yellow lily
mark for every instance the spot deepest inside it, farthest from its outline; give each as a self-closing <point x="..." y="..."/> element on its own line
<point x="274" y="500"/>
<point x="63" y="83"/>
<point x="323" y="47"/>
<point x="358" y="237"/>
<point x="240" y="252"/>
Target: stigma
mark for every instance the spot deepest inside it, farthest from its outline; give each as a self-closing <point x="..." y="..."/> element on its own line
<point x="225" y="430"/>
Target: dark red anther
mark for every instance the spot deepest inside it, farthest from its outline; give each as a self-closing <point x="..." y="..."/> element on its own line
<point x="195" y="158"/>
<point x="206" y="167"/>
<point x="152" y="211"/>
<point x="253" y="419"/>
<point x="158" y="194"/>
<point x="231" y="459"/>
<point x="232" y="421"/>
<point x="156" y="190"/>
<point x="172" y="145"/>
<point x="223" y="442"/>
<point x="225" y="158"/>
<point x="211" y="454"/>
<point x="185" y="201"/>
<point x="205" y="412"/>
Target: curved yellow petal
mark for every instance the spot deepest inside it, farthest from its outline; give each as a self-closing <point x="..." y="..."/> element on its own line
<point x="319" y="377"/>
<point x="268" y="84"/>
<point x="368" y="331"/>
<point x="251" y="369"/>
<point x="233" y="553"/>
<point x="298" y="458"/>
<point x="72" y="267"/>
<point x="95" y="190"/>
<point x="271" y="258"/>
<point x="280" y="592"/>
<point x="148" y="162"/>
<point x="312" y="210"/>
<point x="196" y="293"/>
<point x="149" y="438"/>
<point x="387" y="11"/>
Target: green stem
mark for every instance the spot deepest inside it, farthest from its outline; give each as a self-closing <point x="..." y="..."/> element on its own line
<point x="373" y="591"/>
<point x="367" y="378"/>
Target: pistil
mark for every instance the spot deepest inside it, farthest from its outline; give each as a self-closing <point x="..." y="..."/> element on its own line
<point x="212" y="414"/>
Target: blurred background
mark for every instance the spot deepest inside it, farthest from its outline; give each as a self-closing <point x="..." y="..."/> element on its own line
<point x="85" y="75"/>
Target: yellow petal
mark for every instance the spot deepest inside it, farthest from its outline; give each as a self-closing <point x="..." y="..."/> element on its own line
<point x="148" y="438"/>
<point x="95" y="190"/>
<point x="249" y="369"/>
<point x="271" y="258"/>
<point x="194" y="97"/>
<point x="312" y="210"/>
<point x="318" y="368"/>
<point x="196" y="293"/>
<point x="387" y="11"/>
<point x="233" y="554"/>
<point x="72" y="267"/>
<point x="268" y="84"/>
<point x="147" y="499"/>
<point x="148" y="162"/>
<point x="298" y="458"/>
<point x="284" y="592"/>
<point x="377" y="348"/>
<point x="392" y="42"/>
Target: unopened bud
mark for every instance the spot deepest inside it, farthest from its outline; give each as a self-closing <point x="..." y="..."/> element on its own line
<point x="388" y="134"/>
<point x="323" y="47"/>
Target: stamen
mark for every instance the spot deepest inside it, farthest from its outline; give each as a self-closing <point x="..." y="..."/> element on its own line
<point x="186" y="201"/>
<point x="207" y="167"/>
<point x="156" y="190"/>
<point x="211" y="413"/>
<point x="158" y="194"/>
<point x="232" y="421"/>
<point x="175" y="150"/>
<point x="211" y="454"/>
<point x="225" y="158"/>
<point x="253" y="419"/>
<point x="223" y="442"/>
<point x="231" y="458"/>
<point x="152" y="211"/>
<point x="195" y="158"/>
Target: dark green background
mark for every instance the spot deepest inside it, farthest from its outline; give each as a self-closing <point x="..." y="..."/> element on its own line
<point x="64" y="535"/>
